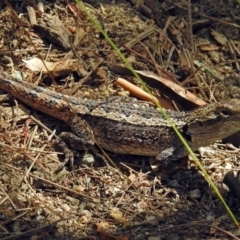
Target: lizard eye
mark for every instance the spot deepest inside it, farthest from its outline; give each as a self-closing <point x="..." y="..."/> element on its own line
<point x="224" y="113"/>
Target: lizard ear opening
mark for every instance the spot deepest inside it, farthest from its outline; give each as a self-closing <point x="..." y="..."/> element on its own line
<point x="190" y="129"/>
<point x="186" y="134"/>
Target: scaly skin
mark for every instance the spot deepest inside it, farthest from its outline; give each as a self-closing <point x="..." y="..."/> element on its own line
<point x="128" y="126"/>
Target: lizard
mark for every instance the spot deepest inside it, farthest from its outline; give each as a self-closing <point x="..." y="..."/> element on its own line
<point x="127" y="125"/>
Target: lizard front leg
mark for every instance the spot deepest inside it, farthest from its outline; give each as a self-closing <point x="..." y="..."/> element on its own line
<point x="165" y="159"/>
<point x="80" y="138"/>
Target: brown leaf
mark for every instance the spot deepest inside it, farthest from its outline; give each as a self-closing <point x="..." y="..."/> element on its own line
<point x="208" y="47"/>
<point x="220" y="38"/>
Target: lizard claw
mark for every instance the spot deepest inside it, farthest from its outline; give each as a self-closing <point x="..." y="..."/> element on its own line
<point x="69" y="157"/>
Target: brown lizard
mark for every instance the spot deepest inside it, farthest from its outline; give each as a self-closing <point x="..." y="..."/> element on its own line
<point x="127" y="126"/>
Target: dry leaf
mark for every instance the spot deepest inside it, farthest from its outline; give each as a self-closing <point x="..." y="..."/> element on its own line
<point x="63" y="67"/>
<point x="208" y="47"/>
<point x="79" y="188"/>
<point x="36" y="65"/>
<point x="117" y="216"/>
<point x="166" y="86"/>
<point x="220" y="38"/>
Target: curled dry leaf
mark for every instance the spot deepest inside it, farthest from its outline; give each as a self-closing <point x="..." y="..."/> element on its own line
<point x="165" y="86"/>
<point x="152" y="79"/>
<point x="141" y="94"/>
<point x="62" y="67"/>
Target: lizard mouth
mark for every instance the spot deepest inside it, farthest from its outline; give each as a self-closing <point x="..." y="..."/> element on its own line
<point x="211" y="130"/>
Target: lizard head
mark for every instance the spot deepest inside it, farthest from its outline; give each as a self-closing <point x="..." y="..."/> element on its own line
<point x="213" y="122"/>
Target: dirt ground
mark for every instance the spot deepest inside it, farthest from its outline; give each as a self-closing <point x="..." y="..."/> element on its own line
<point x="193" y="45"/>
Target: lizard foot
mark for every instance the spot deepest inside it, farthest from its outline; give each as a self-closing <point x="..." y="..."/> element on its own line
<point x="69" y="139"/>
